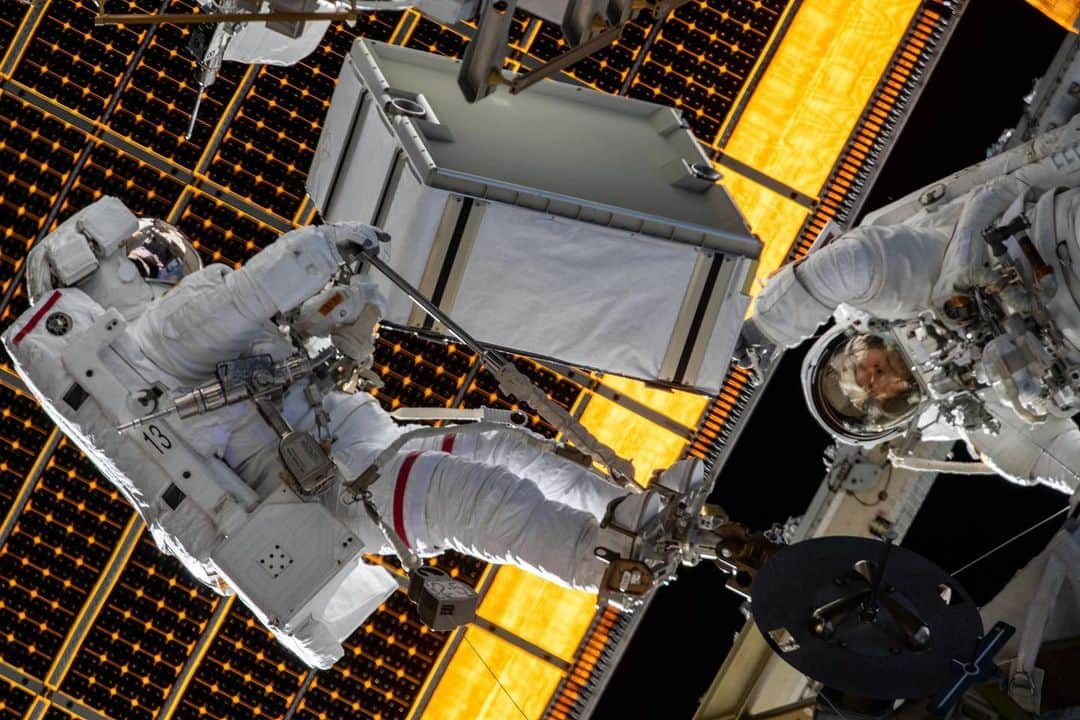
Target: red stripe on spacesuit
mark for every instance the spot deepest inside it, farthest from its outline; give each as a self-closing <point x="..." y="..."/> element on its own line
<point x="37" y="317"/>
<point x="399" y="495"/>
<point x="448" y="443"/>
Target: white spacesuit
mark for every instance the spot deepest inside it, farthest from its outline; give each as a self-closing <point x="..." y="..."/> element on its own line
<point x="903" y="286"/>
<point x="213" y="487"/>
<point x="904" y="271"/>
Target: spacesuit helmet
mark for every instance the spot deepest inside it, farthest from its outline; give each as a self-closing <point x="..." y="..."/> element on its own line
<point x="859" y="388"/>
<point x="162" y="252"/>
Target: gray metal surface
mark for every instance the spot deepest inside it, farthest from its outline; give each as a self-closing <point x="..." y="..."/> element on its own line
<point x="1054" y="100"/>
<point x="557" y="148"/>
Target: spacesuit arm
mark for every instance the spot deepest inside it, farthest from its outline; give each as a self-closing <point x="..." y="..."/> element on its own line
<point x="887" y="271"/>
<point x="1047" y="453"/>
<point x="292" y="269"/>
<point x="966" y="260"/>
<point x="966" y="263"/>
<point x="786" y="311"/>
<point x="218" y="313"/>
<point x="300" y="263"/>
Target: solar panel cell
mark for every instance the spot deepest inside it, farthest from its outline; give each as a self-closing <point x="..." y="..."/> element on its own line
<point x="144" y="189"/>
<point x="245" y="673"/>
<point x="36" y="153"/>
<point x="14" y="702"/>
<point x="23" y="431"/>
<point x="155" y="106"/>
<point x="221" y="233"/>
<point x="74" y="63"/>
<point x="432" y="37"/>
<point x="149" y="626"/>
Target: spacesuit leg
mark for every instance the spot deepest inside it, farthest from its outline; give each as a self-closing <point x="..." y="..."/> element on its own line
<point x="528" y="455"/>
<point x="217" y="313"/>
<point x="436" y="501"/>
<point x="1047" y="453"/>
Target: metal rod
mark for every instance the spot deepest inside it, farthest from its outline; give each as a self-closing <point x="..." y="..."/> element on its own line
<point x="880" y="577"/>
<point x="643" y="51"/>
<point x="431" y="309"/>
<point x="195" y="112"/>
<point x="207" y="18"/>
<point x="145" y="419"/>
<point x="568" y="58"/>
<point x="770" y="183"/>
<point x="513" y="383"/>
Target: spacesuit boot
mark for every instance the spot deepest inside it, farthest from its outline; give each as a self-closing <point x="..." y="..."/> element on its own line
<point x="639" y="534"/>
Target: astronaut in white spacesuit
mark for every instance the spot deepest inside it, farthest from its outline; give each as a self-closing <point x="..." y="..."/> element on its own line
<point x="913" y="351"/>
<point x="872" y="276"/>
<point x="506" y="496"/>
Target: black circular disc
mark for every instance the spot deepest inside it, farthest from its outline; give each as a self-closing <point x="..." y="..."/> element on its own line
<point x="866" y="654"/>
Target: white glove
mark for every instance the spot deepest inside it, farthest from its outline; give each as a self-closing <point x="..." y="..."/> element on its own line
<point x="754" y="352"/>
<point x="357" y="340"/>
<point x="348" y="314"/>
<point x="352" y="237"/>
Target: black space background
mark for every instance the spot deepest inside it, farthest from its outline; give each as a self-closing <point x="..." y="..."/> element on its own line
<point x="999" y="48"/>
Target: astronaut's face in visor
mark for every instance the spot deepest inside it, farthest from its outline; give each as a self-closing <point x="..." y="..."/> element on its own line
<point x="881" y="372"/>
<point x="862" y="387"/>
<point x="872" y="374"/>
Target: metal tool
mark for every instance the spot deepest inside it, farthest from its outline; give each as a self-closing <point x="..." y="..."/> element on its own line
<point x="442" y="603"/>
<point x="481" y="414"/>
<point x="248" y="378"/>
<point x="206" y="45"/>
<point x="215" y="17"/>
